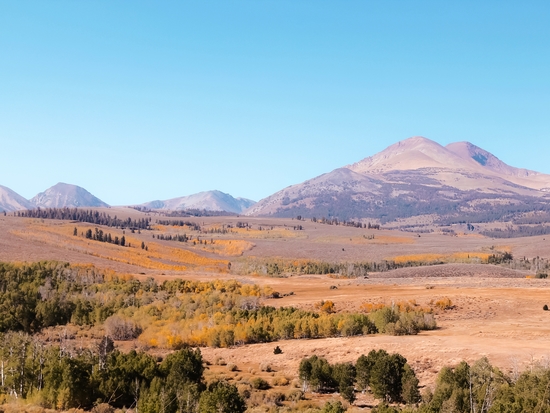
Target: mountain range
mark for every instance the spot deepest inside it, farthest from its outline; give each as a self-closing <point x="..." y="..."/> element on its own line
<point x="208" y="200"/>
<point x="64" y="195"/>
<point x="417" y="176"/>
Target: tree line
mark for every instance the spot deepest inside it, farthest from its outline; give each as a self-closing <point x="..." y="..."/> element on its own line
<point x="277" y="267"/>
<point x="100" y="236"/>
<point x="179" y="223"/>
<point x="90" y="216"/>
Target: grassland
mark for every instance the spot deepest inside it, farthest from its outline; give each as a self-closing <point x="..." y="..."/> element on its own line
<point x="494" y="311"/>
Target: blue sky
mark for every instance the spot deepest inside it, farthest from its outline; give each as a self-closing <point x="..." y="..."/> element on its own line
<point x="138" y="100"/>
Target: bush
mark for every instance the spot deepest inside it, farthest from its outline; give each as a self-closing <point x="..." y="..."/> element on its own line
<point x="385" y="408"/>
<point x="232" y="367"/>
<point x="444" y="303"/>
<point x="275" y="398"/>
<point x="121" y="328"/>
<point x="259" y="384"/>
<point x="333" y="407"/>
<point x="245" y="390"/>
<point x="277" y="350"/>
<point x="103" y="408"/>
<point x="266" y="367"/>
<point x="219" y="361"/>
<point x="295" y="395"/>
<point x="221" y="396"/>
<point x="545" y="307"/>
<point x="280" y="381"/>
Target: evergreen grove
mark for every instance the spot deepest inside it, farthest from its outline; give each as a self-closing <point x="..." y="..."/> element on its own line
<point x="56" y="378"/>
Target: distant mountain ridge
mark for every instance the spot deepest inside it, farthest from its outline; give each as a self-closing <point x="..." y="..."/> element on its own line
<point x="207" y="200"/>
<point x="414" y="177"/>
<point x="64" y="195"/>
<point x="12" y="201"/>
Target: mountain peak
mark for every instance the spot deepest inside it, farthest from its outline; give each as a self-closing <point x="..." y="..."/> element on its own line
<point x="12" y="201"/>
<point x="416" y="176"/>
<point x="63" y="195"/>
<point x="208" y="200"/>
<point x="410" y="154"/>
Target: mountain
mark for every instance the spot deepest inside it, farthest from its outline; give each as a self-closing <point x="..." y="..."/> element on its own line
<point x="415" y="177"/>
<point x="12" y="201"/>
<point x="65" y="195"/>
<point x="208" y="200"/>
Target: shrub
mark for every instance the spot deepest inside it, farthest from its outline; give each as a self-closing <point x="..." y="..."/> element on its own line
<point x="259" y="384"/>
<point x="325" y="306"/>
<point x="277" y="350"/>
<point x="221" y="396"/>
<point x="280" y="381"/>
<point x="295" y="395"/>
<point x="266" y="367"/>
<point x="275" y="398"/>
<point x="245" y="390"/>
<point x="383" y="317"/>
<point x="103" y="408"/>
<point x="333" y="407"/>
<point x="385" y="408"/>
<point x="121" y="328"/>
<point x="444" y="303"/>
<point x="545" y="307"/>
<point x="232" y="367"/>
<point x="219" y="361"/>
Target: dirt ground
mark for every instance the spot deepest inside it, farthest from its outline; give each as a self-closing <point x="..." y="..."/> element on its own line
<point x="499" y="318"/>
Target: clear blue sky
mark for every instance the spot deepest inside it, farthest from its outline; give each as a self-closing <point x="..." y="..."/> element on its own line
<point x="137" y="100"/>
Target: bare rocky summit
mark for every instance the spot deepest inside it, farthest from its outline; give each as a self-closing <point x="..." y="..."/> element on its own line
<point x="64" y="195"/>
<point x="207" y="200"/>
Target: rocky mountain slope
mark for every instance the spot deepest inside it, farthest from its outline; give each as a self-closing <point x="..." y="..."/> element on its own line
<point x="12" y="201"/>
<point x="64" y="195"/>
<point x="416" y="177"/>
<point x="207" y="200"/>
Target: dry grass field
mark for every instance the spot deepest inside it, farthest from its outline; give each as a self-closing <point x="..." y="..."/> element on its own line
<point x="495" y="312"/>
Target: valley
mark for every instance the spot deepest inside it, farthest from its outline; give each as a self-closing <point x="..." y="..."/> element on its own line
<point x="493" y="311"/>
<point x="431" y="253"/>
